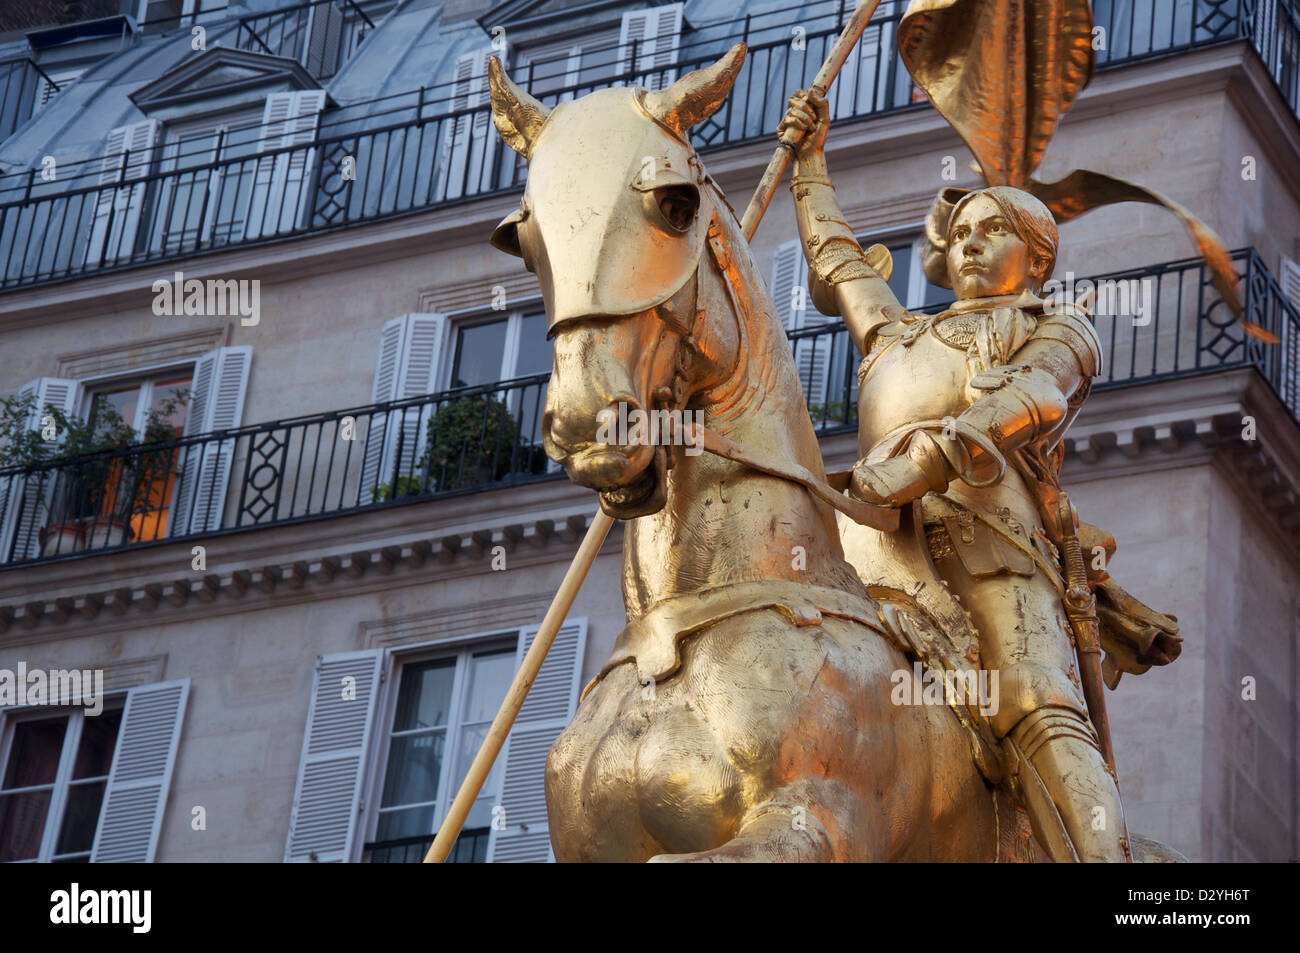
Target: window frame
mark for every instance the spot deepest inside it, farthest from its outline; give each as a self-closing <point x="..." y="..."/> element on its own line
<point x="63" y="781"/>
<point x="470" y="317"/>
<point x="462" y="648"/>
<point x="916" y="280"/>
<point x="146" y="377"/>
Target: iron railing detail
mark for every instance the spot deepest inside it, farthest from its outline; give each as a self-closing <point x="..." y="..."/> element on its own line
<point x="321" y="34"/>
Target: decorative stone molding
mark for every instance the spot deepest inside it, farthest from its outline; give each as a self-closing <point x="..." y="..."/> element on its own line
<point x="511" y="613"/>
<point x="367" y="568"/>
<point x="151" y="353"/>
<point x="478" y="293"/>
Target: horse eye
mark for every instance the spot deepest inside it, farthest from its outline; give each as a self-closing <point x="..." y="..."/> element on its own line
<point x="678" y="204"/>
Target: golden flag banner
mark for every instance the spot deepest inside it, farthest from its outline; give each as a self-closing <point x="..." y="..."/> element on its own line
<point x="1004" y="73"/>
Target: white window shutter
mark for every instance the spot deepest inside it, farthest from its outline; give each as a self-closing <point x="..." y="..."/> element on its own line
<point x="131" y="817"/>
<point x="216" y="403"/>
<point x="469" y="143"/>
<point x="411" y="347"/>
<point x="128" y="155"/>
<point x="24" y="500"/>
<point x="281" y="182"/>
<point x="324" y="821"/>
<point x="548" y="708"/>
<point x="812" y="356"/>
<point x="1290" y="281"/>
<point x="656" y="32"/>
<point x="854" y="90"/>
<point x="790" y="284"/>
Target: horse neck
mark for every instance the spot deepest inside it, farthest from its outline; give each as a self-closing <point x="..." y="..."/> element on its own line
<point x="724" y="522"/>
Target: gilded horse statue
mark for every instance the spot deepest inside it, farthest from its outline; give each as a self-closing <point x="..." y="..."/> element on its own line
<point x="749" y="710"/>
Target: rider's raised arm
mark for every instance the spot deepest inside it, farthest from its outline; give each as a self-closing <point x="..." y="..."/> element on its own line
<point x="840" y="276"/>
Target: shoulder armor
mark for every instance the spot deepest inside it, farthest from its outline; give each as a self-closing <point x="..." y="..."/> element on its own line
<point x="1072" y="326"/>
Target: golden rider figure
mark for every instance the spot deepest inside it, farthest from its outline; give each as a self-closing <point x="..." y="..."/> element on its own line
<point x="964" y="410"/>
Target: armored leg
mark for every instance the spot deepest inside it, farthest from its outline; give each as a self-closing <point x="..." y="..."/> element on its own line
<point x="1059" y="755"/>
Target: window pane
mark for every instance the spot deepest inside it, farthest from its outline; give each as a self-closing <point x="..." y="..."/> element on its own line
<point x="480" y="813"/>
<point x="164" y="391"/>
<point x="534" y="349"/>
<point x="22" y="824"/>
<point x="98" y="738"/>
<point x="80" y="817"/>
<point x="125" y="400"/>
<point x="478" y="354"/>
<point x="902" y="275"/>
<point x="34" y="754"/>
<point x="425" y="695"/>
<point x="489" y="678"/>
<point x="414" y="763"/>
<point x="413" y="822"/>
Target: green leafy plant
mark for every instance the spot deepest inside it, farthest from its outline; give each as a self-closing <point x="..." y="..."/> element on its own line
<point x="834" y="410"/>
<point x="76" y="459"/>
<point x="402" y="486"/>
<point x="471" y="441"/>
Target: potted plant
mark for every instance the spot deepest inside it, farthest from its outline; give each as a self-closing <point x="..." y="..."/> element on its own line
<point x="87" y="486"/>
<point x="470" y="442"/>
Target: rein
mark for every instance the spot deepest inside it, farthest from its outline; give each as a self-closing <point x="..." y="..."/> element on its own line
<point x="882" y="518"/>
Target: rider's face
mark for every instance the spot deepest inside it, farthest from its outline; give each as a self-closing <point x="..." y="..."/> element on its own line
<point x="985" y="256"/>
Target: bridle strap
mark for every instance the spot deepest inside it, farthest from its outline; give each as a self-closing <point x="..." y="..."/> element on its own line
<point x="882" y="518"/>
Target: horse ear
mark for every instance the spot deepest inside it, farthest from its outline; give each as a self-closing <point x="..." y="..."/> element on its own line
<point x="698" y="94"/>
<point x="518" y="116"/>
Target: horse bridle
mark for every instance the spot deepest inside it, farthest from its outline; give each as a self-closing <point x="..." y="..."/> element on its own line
<point x="671" y="397"/>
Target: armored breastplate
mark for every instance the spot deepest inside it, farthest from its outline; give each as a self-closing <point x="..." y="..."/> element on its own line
<point x="914" y="371"/>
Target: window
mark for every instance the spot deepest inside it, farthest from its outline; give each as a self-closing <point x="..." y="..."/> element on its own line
<point x="56" y="769"/>
<point x="443" y="709"/>
<point x="908" y="282"/>
<point x="587" y="61"/>
<point x="47" y="90"/>
<point x="500" y="349"/>
<point x="204" y="190"/>
<point x="166" y="397"/>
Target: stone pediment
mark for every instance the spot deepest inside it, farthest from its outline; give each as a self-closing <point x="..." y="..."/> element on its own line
<point x="221" y="72"/>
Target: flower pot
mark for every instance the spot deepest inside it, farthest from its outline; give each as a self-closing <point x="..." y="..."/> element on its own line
<point x="100" y="532"/>
<point x="60" y="539"/>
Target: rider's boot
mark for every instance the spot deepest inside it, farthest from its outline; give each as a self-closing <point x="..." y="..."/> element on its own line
<point x="1072" y="799"/>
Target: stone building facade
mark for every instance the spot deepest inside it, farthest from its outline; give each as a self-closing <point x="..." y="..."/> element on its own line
<point x="305" y="616"/>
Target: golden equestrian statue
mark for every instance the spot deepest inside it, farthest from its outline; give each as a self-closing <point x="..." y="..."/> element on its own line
<point x="757" y="705"/>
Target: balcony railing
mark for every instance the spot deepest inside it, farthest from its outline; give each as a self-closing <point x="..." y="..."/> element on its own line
<point x="470" y="848"/>
<point x="320" y="35"/>
<point x="276" y="473"/>
<point x="437" y="146"/>
<point x="1159" y="322"/>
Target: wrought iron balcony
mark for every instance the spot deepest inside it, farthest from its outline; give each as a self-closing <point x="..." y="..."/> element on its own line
<point x="1171" y="323"/>
<point x="320" y="34"/>
<point x="436" y="146"/>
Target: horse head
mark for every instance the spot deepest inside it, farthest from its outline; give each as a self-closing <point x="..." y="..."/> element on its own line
<point x="614" y="221"/>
